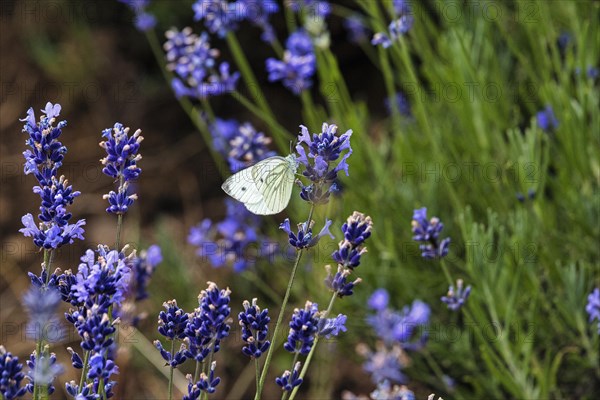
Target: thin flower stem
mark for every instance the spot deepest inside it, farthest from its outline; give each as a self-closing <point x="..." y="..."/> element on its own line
<point x="197" y="371"/>
<point x="288" y="291"/>
<point x="446" y="273"/>
<point x="280" y="138"/>
<point x="119" y="227"/>
<point x="171" y="370"/>
<point x="86" y="360"/>
<point x="38" y="352"/>
<point x="312" y="350"/>
<point x="244" y="66"/>
<point x="45" y="266"/>
<point x="101" y="390"/>
<point x="257" y="371"/>
<point x="119" y="216"/>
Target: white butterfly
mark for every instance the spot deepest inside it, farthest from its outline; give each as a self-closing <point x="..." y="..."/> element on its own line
<point x="266" y="187"/>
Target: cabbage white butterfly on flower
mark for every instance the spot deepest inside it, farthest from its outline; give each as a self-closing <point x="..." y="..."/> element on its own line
<point x="266" y="187"/>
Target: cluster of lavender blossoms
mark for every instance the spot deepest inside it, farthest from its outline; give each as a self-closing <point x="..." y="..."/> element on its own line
<point x="120" y="164"/>
<point x="105" y="280"/>
<point x="143" y="21"/>
<point x="200" y="333"/>
<point x="11" y="376"/>
<point x="402" y="23"/>
<point x="298" y="66"/>
<point x="43" y="160"/>
<point x="197" y="73"/>
<point x="398" y="331"/>
<point x="227" y="241"/>
<point x="427" y="232"/>
<point x="222" y="16"/>
<point x="314" y="8"/>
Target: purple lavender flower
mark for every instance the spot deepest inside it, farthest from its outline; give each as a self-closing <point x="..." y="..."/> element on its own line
<point x="43" y="160"/>
<point x="303" y="329"/>
<point x="427" y="232"/>
<point x="323" y="161"/>
<point x="42" y="371"/>
<point x="546" y="119"/>
<point x="193" y="61"/>
<point x="356" y="230"/>
<point x="209" y="323"/>
<point x="241" y="144"/>
<point x="398" y="327"/>
<point x="316" y="8"/>
<point x="386" y="391"/>
<point x="144" y="21"/>
<point x="101" y="367"/>
<point x="455" y="299"/>
<point x="172" y="325"/>
<point x="41" y="305"/>
<point x="120" y="164"/>
<point x="593" y="306"/>
<point x="298" y="65"/>
<point x="400" y="102"/>
<point x="228" y="241"/>
<point x="103" y="280"/>
<point x="357" y="31"/>
<point x="11" y="375"/>
<point x="95" y="329"/>
<point x="304" y="238"/>
<point x="209" y="383"/>
<point x="400" y="25"/>
<point x="379" y="300"/>
<point x="255" y="329"/>
<point x="219" y="16"/>
<point x="143" y="268"/>
<point x="338" y="282"/>
<point x="258" y="12"/>
<point x="592" y="72"/>
<point x="290" y="379"/>
<point x="248" y="147"/>
<point x="329" y="327"/>
<point x="385" y="364"/>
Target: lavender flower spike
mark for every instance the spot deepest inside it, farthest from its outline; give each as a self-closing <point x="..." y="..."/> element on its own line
<point x="255" y="329"/>
<point x="10" y="375"/>
<point x="455" y="299"/>
<point x="43" y="160"/>
<point x="427" y="232"/>
<point x="120" y="164"/>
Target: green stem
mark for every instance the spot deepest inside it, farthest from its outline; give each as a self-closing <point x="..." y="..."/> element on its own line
<point x="257" y="371"/>
<point x="446" y="272"/>
<point x="86" y="360"/>
<point x="282" y="133"/>
<point x="171" y="372"/>
<point x="119" y="227"/>
<point x="197" y="371"/>
<point x="265" y="370"/>
<point x="37" y="388"/>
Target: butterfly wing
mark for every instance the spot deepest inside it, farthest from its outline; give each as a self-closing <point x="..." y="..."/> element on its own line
<point x="274" y="180"/>
<point x="241" y="187"/>
<point x="259" y="208"/>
